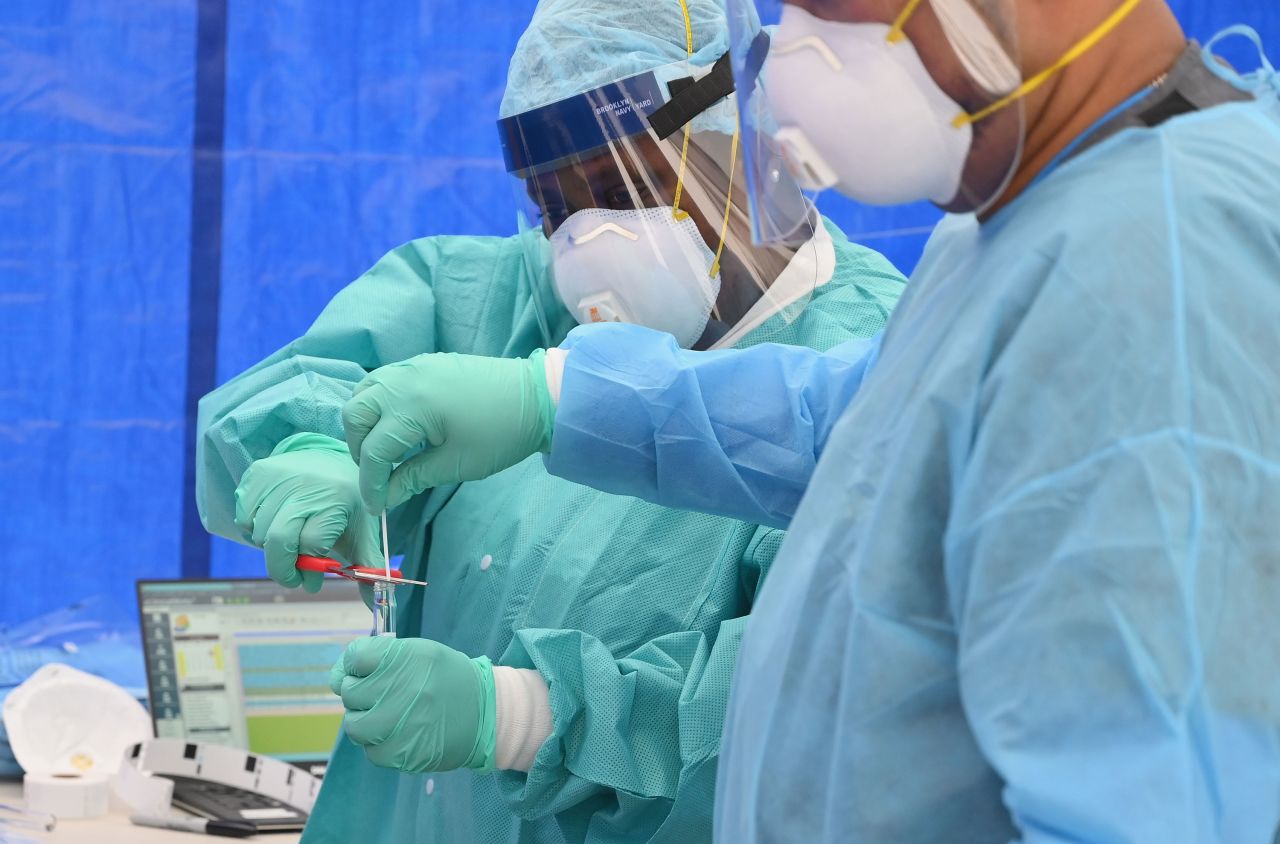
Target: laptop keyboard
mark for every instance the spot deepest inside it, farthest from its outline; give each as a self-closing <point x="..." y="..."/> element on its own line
<point x="215" y="800"/>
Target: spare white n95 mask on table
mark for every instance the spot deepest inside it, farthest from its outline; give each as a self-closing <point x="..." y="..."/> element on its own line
<point x="64" y="721"/>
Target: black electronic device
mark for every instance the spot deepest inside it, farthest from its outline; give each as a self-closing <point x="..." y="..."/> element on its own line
<point x="238" y="682"/>
<point x="227" y="784"/>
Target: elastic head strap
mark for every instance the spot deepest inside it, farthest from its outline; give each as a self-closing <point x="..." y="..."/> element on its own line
<point x="895" y="31"/>
<point x="721" y="71"/>
<point x="690" y="98"/>
<point x="1081" y="47"/>
<point x="897" y="34"/>
<point x="728" y="204"/>
<point x="684" y="150"/>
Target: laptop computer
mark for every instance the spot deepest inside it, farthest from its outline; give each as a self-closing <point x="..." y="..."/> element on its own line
<point x="245" y="663"/>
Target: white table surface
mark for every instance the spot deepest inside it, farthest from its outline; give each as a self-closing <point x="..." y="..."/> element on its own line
<point x="116" y="829"/>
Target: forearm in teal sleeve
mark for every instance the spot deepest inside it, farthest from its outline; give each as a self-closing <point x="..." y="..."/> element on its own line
<point x="433" y="294"/>
<point x="734" y="433"/>
<point x="641" y="727"/>
<point x="245" y="419"/>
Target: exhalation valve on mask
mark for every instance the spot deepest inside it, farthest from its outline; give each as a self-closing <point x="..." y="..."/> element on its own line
<point x="642" y="266"/>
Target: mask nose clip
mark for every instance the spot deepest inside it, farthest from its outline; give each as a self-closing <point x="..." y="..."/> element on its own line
<point x="604" y="228"/>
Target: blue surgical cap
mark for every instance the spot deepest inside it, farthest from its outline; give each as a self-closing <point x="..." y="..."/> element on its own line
<point x="572" y="46"/>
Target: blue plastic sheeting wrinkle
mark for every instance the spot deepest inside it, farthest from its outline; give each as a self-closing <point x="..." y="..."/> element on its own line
<point x="349" y="132"/>
<point x="348" y="128"/>
<point x="205" y="273"/>
<point x="95" y="163"/>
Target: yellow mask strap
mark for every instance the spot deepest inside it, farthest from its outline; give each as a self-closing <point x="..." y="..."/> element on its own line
<point x="684" y="150"/>
<point x="676" y="212"/>
<point x="1083" y="46"/>
<point x="895" y="31"/>
<point x="728" y="204"/>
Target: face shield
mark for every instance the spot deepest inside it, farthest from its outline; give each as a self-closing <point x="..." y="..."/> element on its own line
<point x="888" y="103"/>
<point x="639" y="190"/>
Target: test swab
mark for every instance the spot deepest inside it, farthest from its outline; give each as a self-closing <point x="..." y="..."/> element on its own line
<point x="386" y="545"/>
<point x="384" y="594"/>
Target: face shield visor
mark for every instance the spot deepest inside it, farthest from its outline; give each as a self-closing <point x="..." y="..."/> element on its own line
<point x="639" y="191"/>
<point x="887" y="102"/>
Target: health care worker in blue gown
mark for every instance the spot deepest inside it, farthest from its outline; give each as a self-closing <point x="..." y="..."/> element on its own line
<point x="1030" y="590"/>
<point x="573" y="647"/>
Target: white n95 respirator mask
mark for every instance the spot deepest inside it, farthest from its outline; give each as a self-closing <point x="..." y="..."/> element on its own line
<point x="643" y="266"/>
<point x="854" y="107"/>
<point x="63" y="721"/>
<point x="861" y="114"/>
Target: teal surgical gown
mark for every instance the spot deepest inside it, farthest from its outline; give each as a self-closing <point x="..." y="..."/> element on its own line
<point x="631" y="612"/>
<point x="1032" y="590"/>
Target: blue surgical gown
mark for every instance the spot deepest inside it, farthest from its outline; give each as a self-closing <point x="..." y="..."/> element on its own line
<point x="1032" y="590"/>
<point x="631" y="612"/>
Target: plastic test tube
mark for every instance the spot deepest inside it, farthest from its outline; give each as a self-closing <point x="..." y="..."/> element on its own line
<point x="384" y="609"/>
<point x="17" y="817"/>
<point x="384" y="593"/>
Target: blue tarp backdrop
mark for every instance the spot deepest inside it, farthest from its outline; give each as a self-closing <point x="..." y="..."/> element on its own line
<point x="183" y="185"/>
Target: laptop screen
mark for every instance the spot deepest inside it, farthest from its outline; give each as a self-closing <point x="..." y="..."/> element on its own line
<point x="246" y="663"/>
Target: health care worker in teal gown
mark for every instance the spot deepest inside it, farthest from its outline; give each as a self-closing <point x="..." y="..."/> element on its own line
<point x="576" y="646"/>
<point x="1030" y="592"/>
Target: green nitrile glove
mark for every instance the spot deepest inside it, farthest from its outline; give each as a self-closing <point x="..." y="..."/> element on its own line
<point x="445" y="418"/>
<point x="417" y="705"/>
<point x="305" y="499"/>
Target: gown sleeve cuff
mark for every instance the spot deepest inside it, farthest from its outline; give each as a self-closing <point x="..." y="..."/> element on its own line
<point x="523" y="716"/>
<point x="554" y="364"/>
